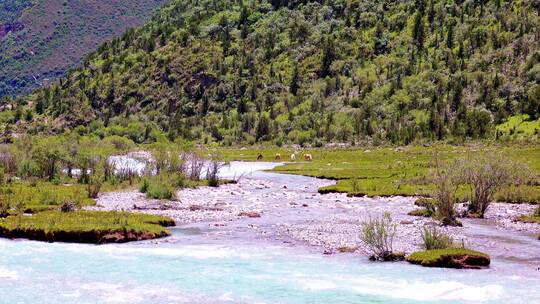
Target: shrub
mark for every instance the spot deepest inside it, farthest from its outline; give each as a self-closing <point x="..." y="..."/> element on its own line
<point x="435" y="239"/>
<point x="145" y="183"/>
<point x="444" y="178"/>
<point x="536" y="212"/>
<point x="421" y="212"/>
<point x="486" y="173"/>
<point x="67" y="207"/>
<point x="194" y="165"/>
<point x="4" y="209"/>
<point x="429" y="207"/>
<point x="355" y="184"/>
<point x="212" y="172"/>
<point x="378" y="235"/>
<point x="160" y="190"/>
<point x="160" y="186"/>
<point x="92" y="189"/>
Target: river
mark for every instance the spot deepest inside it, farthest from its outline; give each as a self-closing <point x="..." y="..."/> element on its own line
<point x="201" y="264"/>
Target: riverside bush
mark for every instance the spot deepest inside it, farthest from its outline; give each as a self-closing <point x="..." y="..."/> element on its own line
<point x="161" y="186"/>
<point x="485" y="173"/>
<point x="160" y="190"/>
<point x="444" y="177"/>
<point x="378" y="235"/>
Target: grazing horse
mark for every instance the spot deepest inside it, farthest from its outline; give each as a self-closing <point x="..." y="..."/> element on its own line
<point x="308" y="157"/>
<point x="259" y="157"/>
<point x="278" y="156"/>
<point x="293" y="157"/>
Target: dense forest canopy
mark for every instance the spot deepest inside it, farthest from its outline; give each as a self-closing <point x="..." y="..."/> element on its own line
<point x="304" y="72"/>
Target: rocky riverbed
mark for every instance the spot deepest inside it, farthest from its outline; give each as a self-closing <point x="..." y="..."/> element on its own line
<point x="288" y="208"/>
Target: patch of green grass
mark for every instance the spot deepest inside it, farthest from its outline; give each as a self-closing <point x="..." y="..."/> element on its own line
<point x="438" y="257"/>
<point x="422" y="212"/>
<point x="44" y="195"/>
<point x="519" y="126"/>
<point x="85" y="226"/>
<point x="390" y="171"/>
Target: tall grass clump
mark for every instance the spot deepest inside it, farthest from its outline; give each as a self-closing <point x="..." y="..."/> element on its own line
<point x="434" y="238"/>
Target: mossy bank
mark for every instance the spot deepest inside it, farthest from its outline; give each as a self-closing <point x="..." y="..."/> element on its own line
<point x="450" y="258"/>
<point x="95" y="227"/>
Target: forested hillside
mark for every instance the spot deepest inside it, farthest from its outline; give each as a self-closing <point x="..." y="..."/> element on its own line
<point x="41" y="39"/>
<point x="305" y="72"/>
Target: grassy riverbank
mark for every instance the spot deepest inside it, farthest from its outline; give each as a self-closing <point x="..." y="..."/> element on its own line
<point x="391" y="171"/>
<point x="95" y="227"/>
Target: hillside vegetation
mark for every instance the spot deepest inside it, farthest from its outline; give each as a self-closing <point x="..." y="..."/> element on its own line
<point x="40" y="40"/>
<point x="306" y="72"/>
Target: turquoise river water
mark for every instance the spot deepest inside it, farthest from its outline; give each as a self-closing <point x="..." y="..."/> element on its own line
<point x="181" y="270"/>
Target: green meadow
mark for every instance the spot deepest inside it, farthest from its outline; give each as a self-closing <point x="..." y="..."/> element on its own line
<point x="392" y="171"/>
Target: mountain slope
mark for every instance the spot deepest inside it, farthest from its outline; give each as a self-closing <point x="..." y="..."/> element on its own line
<point x="40" y="39"/>
<point x="307" y="72"/>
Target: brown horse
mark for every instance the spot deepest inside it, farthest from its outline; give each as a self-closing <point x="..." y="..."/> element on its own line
<point x="308" y="157"/>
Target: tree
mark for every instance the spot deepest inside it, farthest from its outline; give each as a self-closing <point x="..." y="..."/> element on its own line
<point x="418" y="31"/>
<point x="263" y="127"/>
<point x="48" y="154"/>
<point x="328" y="57"/>
<point x="294" y="86"/>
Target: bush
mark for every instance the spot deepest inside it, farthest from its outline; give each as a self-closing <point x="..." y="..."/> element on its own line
<point x="444" y="178"/>
<point x="429" y="207"/>
<point x="92" y="189"/>
<point x="4" y="209"/>
<point x="486" y="173"/>
<point x="421" y="212"/>
<point x="355" y="184"/>
<point x="160" y="186"/>
<point x="160" y="190"/>
<point x="378" y="235"/>
<point x="67" y="207"/>
<point x="212" y="172"/>
<point x="145" y="183"/>
<point x="435" y="239"/>
<point x="536" y="212"/>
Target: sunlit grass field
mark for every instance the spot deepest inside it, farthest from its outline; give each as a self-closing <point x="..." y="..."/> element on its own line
<point x="392" y="171"/>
